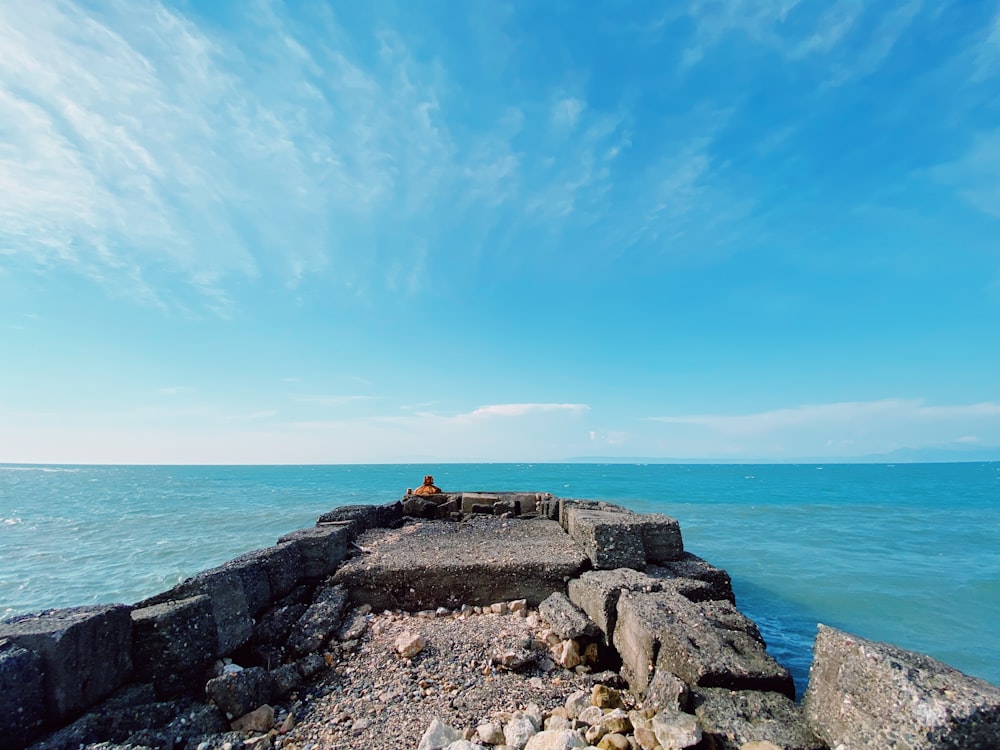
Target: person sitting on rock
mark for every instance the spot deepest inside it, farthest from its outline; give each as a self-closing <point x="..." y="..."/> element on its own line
<point x="428" y="487"/>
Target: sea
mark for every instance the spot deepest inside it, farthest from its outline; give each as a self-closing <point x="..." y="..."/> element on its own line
<point x="904" y="553"/>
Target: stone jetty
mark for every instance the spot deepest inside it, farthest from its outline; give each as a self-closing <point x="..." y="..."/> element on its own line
<point x="596" y="601"/>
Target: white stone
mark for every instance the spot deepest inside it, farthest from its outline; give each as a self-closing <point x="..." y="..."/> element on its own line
<point x="464" y="745"/>
<point x="534" y="712"/>
<point x="409" y="644"/>
<point x="556" y="739"/>
<point x="491" y="733"/>
<point x="500" y="608"/>
<point x="576" y="702"/>
<point x="438" y="735"/>
<point x="591" y="715"/>
<point x="519" y="730"/>
<point x="676" y="730"/>
<point x="518" y="605"/>
<point x="567" y="654"/>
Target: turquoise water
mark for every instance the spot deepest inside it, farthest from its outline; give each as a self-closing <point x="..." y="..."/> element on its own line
<point x="908" y="553"/>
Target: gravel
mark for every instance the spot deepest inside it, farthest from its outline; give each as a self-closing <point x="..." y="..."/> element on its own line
<point x="372" y="697"/>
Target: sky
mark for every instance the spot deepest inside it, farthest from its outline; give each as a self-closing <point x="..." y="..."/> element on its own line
<point x="265" y="232"/>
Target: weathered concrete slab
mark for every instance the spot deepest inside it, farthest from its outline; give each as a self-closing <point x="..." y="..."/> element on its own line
<point x="469" y="499"/>
<point x="611" y="540"/>
<point x="482" y="560"/>
<point x="566" y="619"/>
<point x="281" y="563"/>
<point x="319" y="621"/>
<point x="732" y="718"/>
<point x="172" y="643"/>
<point x="322" y="547"/>
<point x="707" y="644"/>
<point x="363" y="517"/>
<point x="688" y="565"/>
<point x="86" y="652"/>
<point x="661" y="537"/>
<point x="596" y="592"/>
<point x="867" y="694"/>
<point x="22" y="693"/>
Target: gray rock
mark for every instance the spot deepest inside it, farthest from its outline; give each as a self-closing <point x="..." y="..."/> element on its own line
<point x="363" y="517"/>
<point x="285" y="679"/>
<point x="556" y="739"/>
<point x="666" y="691"/>
<point x="86" y="652"/>
<point x="867" y="694"/>
<point x="240" y="693"/>
<point x="661" y="537"/>
<point x="692" y="566"/>
<point x="676" y="730"/>
<point x="596" y="592"/>
<point x="173" y="643"/>
<point x="22" y="693"/>
<point x="319" y="621"/>
<point x="438" y="736"/>
<point x="731" y="718"/>
<point x="281" y="563"/>
<point x="566" y="619"/>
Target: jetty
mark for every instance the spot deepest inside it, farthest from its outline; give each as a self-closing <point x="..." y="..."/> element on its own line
<point x="645" y="637"/>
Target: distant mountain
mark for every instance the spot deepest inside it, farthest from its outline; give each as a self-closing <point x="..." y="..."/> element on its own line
<point x="953" y="453"/>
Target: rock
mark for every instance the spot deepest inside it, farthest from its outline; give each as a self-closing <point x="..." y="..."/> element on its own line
<point x="438" y="736"/>
<point x="499" y="608"/>
<point x="261" y="719"/>
<point x="518" y="730"/>
<point x="171" y="645"/>
<point x="285" y="679"/>
<point x="518" y="605"/>
<point x="288" y="724"/>
<point x="646" y="738"/>
<point x="242" y="692"/>
<point x="567" y="654"/>
<point x="464" y="745"/>
<point x="603" y="696"/>
<point x="759" y="745"/>
<point x="557" y="739"/>
<point x="576" y="702"/>
<point x="613" y="741"/>
<point x="731" y="718"/>
<point x="867" y="694"/>
<point x="616" y="721"/>
<point x="409" y="644"/>
<point x="490" y="733"/>
<point x="566" y="619"/>
<point x="675" y="730"/>
<point x="591" y="715"/>
<point x="319" y="621"/>
<point x="666" y="691"/>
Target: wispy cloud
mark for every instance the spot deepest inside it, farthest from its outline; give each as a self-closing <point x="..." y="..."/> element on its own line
<point x="975" y="176"/>
<point x="331" y="401"/>
<point x="521" y="410"/>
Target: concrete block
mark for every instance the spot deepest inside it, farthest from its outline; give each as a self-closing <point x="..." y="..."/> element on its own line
<point x="322" y="548"/>
<point x="661" y="538"/>
<point x="596" y="592"/>
<point x="693" y="567"/>
<point x="22" y="693"/>
<point x="363" y="517"/>
<point x="469" y="499"/>
<point x="611" y="540"/>
<point x="319" y="621"/>
<point x="282" y="564"/>
<point x="705" y="644"/>
<point x="733" y="718"/>
<point x="867" y="694"/>
<point x="566" y="619"/>
<point x="173" y="643"/>
<point x="86" y="652"/>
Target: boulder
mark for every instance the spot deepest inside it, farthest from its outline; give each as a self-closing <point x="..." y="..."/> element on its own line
<point x="733" y="718"/>
<point x="86" y="653"/>
<point x="867" y="694"/>
<point x="239" y="693"/>
<point x="691" y="566"/>
<point x="362" y="517"/>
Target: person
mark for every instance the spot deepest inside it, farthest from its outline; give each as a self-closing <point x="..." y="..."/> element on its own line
<point x="428" y="487"/>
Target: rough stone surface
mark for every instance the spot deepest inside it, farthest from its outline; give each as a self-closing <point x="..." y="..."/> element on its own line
<point x="867" y="694"/>
<point x="240" y="693"/>
<point x="688" y="565"/>
<point x="438" y="735"/>
<point x="706" y="647"/>
<point x="566" y="619"/>
<point x="596" y="592"/>
<point x="230" y="611"/>
<point x="666" y="691"/>
<point x="661" y="537"/>
<point x="555" y="739"/>
<point x="733" y="718"/>
<point x="611" y="540"/>
<point x="362" y="517"/>
<point x="675" y="730"/>
<point x="172" y="642"/>
<point x="86" y="652"/>
<point x="282" y="564"/>
<point x="479" y="561"/>
<point x="319" y="621"/>
<point x="322" y="547"/>
<point x="22" y="693"/>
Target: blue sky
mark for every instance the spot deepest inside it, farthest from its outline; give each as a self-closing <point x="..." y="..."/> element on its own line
<point x="324" y="232"/>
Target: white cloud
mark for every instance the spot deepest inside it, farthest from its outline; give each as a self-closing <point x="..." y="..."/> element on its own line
<point x="521" y="410"/>
<point x="975" y="177"/>
<point x="566" y="112"/>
